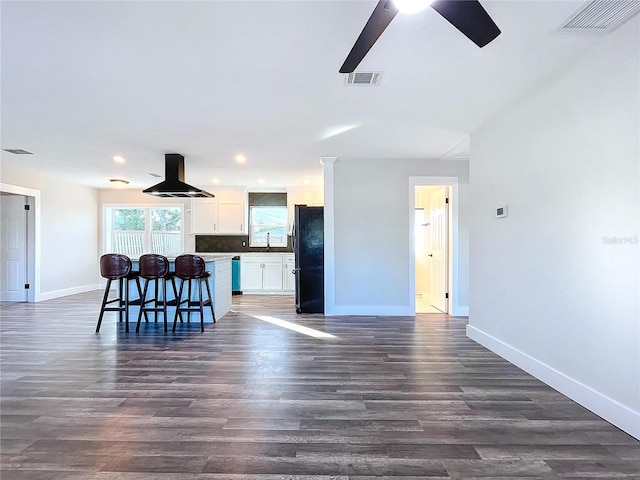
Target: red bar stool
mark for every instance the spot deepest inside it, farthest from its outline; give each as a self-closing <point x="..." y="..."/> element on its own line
<point x="190" y="268"/>
<point x="155" y="268"/>
<point x="115" y="266"/>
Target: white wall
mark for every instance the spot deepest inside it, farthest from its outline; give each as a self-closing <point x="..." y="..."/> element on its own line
<point x="547" y="291"/>
<point x="68" y="233"/>
<point x="371" y="233"/>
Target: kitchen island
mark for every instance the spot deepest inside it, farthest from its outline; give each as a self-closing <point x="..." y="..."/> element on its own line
<point x="220" y="284"/>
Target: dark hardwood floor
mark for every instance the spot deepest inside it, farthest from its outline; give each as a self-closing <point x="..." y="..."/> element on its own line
<point x="251" y="398"/>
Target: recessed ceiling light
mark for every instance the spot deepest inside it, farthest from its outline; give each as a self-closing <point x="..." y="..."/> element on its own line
<point x="307" y="181"/>
<point x="216" y="180"/>
<point x="241" y="158"/>
<point x="261" y="180"/>
<point x="119" y="183"/>
<point x="119" y="159"/>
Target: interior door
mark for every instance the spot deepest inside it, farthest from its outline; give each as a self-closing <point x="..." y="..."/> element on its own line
<point x="13" y="248"/>
<point x="439" y="248"/>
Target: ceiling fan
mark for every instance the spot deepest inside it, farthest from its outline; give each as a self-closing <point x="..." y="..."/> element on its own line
<point x="468" y="16"/>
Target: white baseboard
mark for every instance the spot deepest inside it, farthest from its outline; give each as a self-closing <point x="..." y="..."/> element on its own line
<point x="612" y="411"/>
<point x="67" y="291"/>
<point x="268" y="292"/>
<point x="368" y="310"/>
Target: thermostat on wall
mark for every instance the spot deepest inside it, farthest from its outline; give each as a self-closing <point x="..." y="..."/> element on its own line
<point x="502" y="211"/>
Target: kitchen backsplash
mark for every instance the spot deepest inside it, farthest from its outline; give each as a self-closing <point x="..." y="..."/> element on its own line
<point x="233" y="244"/>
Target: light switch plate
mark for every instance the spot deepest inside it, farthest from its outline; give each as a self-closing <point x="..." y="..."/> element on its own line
<point x="502" y="211"/>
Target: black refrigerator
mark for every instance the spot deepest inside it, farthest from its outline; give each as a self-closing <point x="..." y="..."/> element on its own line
<point x="308" y="246"/>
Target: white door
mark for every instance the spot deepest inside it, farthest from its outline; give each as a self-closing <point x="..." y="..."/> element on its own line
<point x="439" y="246"/>
<point x="13" y="248"/>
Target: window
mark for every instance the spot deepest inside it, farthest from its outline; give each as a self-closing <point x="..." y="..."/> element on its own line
<point x="268" y="226"/>
<point x="135" y="230"/>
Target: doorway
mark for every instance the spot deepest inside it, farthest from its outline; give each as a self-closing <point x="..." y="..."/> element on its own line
<point x="19" y="244"/>
<point x="431" y="247"/>
<point x="13" y="248"/>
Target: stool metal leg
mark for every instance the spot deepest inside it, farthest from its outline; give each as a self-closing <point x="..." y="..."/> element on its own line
<point x="213" y="314"/>
<point x="119" y="292"/>
<point x="104" y="304"/>
<point x="193" y="305"/>
<point x="126" y="303"/>
<point x="159" y="303"/>
<point x="164" y="303"/>
<point x="143" y="299"/>
<point x="201" y="306"/>
<point x="178" y="302"/>
<point x="189" y="300"/>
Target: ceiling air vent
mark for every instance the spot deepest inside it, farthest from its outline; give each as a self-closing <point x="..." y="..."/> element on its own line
<point x="17" y="151"/>
<point x="364" y="78"/>
<point x="599" y="16"/>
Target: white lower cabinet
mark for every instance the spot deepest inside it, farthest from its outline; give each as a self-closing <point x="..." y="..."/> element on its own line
<point x="289" y="276"/>
<point x="272" y="274"/>
<point x="265" y="273"/>
<point x="251" y="276"/>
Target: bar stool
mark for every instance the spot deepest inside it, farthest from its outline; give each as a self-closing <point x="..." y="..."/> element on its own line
<point x="115" y="266"/>
<point x="155" y="268"/>
<point x="191" y="268"/>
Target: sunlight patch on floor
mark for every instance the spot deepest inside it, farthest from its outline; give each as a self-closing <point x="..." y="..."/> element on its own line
<point x="293" y="326"/>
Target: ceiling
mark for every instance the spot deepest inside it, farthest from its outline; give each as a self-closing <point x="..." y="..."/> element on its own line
<point x="84" y="81"/>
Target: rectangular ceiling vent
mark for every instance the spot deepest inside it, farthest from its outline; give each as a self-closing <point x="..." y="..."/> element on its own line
<point x="17" y="151"/>
<point x="599" y="16"/>
<point x="364" y="78"/>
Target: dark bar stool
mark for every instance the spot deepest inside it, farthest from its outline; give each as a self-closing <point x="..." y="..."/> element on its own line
<point x="155" y="268"/>
<point x="115" y="266"/>
<point x="190" y="268"/>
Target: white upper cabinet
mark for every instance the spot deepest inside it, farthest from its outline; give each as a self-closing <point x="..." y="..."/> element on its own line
<point x="312" y="196"/>
<point x="231" y="217"/>
<point x="232" y="211"/>
<point x="224" y="214"/>
<point x="204" y="215"/>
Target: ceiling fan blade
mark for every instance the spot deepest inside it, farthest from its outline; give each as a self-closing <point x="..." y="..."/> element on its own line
<point x="470" y="18"/>
<point x="380" y="19"/>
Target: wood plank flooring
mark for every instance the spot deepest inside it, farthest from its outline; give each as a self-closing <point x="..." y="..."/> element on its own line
<point x="345" y="398"/>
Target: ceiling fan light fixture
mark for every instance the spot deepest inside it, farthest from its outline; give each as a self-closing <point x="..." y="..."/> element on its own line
<point x="412" y="6"/>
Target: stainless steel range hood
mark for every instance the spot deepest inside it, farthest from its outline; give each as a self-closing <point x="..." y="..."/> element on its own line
<point x="173" y="185"/>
